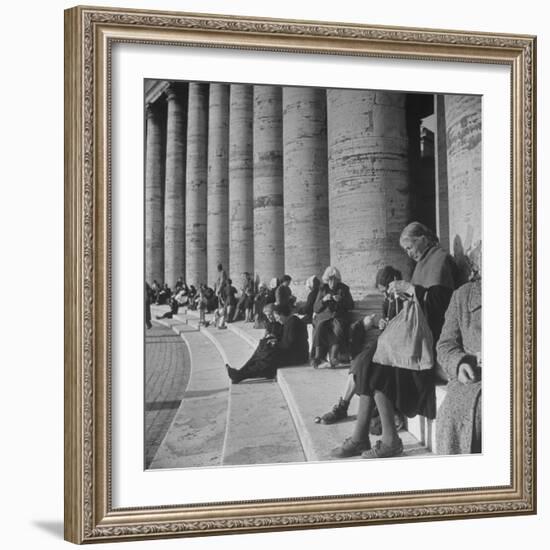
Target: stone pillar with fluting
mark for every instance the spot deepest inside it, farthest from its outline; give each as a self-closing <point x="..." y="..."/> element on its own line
<point x="154" y="204"/>
<point x="268" y="183"/>
<point x="441" y="183"/>
<point x="174" y="196"/>
<point x="241" y="218"/>
<point x="307" y="250"/>
<point x="196" y="174"/>
<point x="463" y="121"/>
<point x="368" y="184"/>
<point x="218" y="190"/>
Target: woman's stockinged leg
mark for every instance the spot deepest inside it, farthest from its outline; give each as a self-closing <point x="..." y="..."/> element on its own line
<point x="364" y="415"/>
<point x="387" y="418"/>
<point x="350" y="388"/>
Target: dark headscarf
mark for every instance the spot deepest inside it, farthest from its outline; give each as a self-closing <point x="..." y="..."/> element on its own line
<point x="386" y="275"/>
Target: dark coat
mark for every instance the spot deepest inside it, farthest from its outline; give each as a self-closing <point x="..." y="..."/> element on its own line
<point x="283" y="298"/>
<point x="307" y="308"/>
<point x="434" y="279"/>
<point x="293" y="346"/>
<point x="333" y="309"/>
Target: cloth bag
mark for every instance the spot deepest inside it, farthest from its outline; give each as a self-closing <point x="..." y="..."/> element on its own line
<point x="407" y="340"/>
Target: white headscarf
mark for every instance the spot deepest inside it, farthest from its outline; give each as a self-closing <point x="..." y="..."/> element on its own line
<point x="331" y="271"/>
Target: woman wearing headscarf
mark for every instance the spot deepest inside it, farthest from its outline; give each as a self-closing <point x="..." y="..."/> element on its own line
<point x="331" y="324"/>
<point x="285" y="343"/>
<point x="459" y="353"/>
<point x="394" y="388"/>
<point x="306" y="309"/>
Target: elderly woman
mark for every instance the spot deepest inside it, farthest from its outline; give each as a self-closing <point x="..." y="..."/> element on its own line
<point x="285" y="343"/>
<point x="260" y="301"/>
<point x="331" y="321"/>
<point x="306" y="309"/>
<point x="459" y="352"/>
<point x="394" y="388"/>
<point x="363" y="338"/>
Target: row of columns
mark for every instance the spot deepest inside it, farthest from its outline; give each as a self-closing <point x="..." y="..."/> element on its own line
<point x="275" y="180"/>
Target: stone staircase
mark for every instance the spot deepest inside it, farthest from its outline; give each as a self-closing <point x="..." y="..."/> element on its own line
<point x="256" y="421"/>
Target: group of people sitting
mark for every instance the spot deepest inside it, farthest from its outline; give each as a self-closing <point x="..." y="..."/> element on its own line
<point x="387" y="392"/>
<point x="224" y="300"/>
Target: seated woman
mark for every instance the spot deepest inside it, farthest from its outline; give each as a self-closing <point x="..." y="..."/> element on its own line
<point x="363" y="338"/>
<point x="192" y="297"/>
<point x="306" y="309"/>
<point x="283" y="295"/>
<point x="393" y="388"/>
<point x="182" y="296"/>
<point x="459" y="353"/>
<point x="285" y="343"/>
<point x="245" y="303"/>
<point x="174" y="308"/>
<point x="260" y="301"/>
<point x="330" y="327"/>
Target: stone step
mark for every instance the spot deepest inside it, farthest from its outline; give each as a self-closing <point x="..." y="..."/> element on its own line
<point x="260" y="429"/>
<point x="311" y="392"/>
<point x="305" y="392"/>
<point x="197" y="433"/>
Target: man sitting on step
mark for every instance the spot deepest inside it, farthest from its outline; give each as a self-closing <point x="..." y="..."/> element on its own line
<point x="288" y="347"/>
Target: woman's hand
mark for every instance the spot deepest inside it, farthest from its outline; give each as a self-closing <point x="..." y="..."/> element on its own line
<point x="382" y="324"/>
<point x="466" y="374"/>
<point x="327" y="297"/>
<point x="401" y="287"/>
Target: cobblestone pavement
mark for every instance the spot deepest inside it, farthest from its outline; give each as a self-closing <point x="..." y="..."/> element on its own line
<point x="167" y="368"/>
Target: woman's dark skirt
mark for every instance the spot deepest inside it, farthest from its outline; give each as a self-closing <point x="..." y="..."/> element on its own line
<point x="411" y="392"/>
<point x="330" y="332"/>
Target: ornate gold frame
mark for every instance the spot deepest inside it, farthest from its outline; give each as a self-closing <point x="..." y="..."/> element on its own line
<point x="89" y="34"/>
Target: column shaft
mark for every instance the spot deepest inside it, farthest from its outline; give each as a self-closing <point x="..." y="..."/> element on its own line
<point x="218" y="192"/>
<point x="154" y="182"/>
<point x="441" y="183"/>
<point x="307" y="250"/>
<point x="368" y="184"/>
<point x="463" y="119"/>
<point x="174" y="197"/>
<point x="196" y="173"/>
<point x="268" y="183"/>
<point x="241" y="218"/>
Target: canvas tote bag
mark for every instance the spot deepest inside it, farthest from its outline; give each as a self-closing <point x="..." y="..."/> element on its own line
<point x="407" y="340"/>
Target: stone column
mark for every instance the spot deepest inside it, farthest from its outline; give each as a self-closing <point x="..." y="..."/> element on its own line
<point x="268" y="183"/>
<point x="218" y="191"/>
<point x="441" y="184"/>
<point x="307" y="250"/>
<point x="368" y="184"/>
<point x="196" y="173"/>
<point x="154" y="183"/>
<point x="174" y="196"/>
<point x="463" y="120"/>
<point x="241" y="218"/>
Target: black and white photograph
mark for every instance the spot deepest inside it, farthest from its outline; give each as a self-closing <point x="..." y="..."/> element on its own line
<point x="312" y="274"/>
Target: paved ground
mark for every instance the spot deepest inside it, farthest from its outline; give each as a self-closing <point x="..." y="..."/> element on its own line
<point x="196" y="435"/>
<point x="166" y="377"/>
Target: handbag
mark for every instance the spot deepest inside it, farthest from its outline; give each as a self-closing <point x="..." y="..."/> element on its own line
<point x="407" y="340"/>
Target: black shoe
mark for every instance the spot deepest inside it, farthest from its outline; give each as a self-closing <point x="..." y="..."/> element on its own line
<point x="338" y="412"/>
<point x="233" y="374"/>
